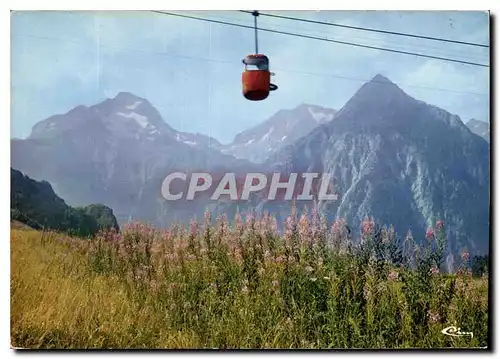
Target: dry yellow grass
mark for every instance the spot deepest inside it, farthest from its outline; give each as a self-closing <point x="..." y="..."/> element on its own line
<point x="58" y="300"/>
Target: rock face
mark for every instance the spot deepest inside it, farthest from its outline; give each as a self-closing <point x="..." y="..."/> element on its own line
<point x="393" y="157"/>
<point x="404" y="162"/>
<point x="35" y="204"/>
<point x="285" y="127"/>
<point x="480" y="128"/>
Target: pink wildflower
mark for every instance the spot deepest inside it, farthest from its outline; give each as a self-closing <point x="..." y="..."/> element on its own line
<point x="433" y="317"/>
<point x="368" y="226"/>
<point x="250" y="220"/>
<point x="194" y="228"/>
<point x="274" y="225"/>
<point x="430" y="233"/>
<point x="290" y="226"/>
<point x="304" y="229"/>
<point x="280" y="259"/>
<point x="393" y="275"/>
<point x="208" y="218"/>
<point x="275" y="284"/>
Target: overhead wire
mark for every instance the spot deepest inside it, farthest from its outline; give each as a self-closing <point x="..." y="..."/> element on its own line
<point x="228" y="62"/>
<point x="322" y="39"/>
<point x="437" y="49"/>
<point x="397" y="33"/>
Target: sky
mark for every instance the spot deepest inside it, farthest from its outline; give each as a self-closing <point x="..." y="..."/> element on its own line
<point x="190" y="70"/>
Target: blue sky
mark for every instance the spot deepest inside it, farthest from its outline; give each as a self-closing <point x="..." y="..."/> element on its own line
<point x="191" y="70"/>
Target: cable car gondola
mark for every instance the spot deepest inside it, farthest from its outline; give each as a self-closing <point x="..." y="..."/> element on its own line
<point x="256" y="79"/>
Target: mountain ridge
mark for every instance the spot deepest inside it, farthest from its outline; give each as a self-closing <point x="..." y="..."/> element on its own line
<point x="401" y="160"/>
<point x="394" y="157"/>
<point x="38" y="206"/>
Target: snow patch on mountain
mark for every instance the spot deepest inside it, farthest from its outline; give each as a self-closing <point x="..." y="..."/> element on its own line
<point x="320" y="116"/>
<point x="266" y="136"/>
<point x="134" y="105"/>
<point x="141" y="120"/>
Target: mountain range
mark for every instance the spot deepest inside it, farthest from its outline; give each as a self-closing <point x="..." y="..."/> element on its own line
<point x="394" y="157"/>
<point x="480" y="128"/>
<point x="283" y="128"/>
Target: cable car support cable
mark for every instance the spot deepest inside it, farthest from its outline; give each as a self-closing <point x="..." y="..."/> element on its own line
<point x="323" y="39"/>
<point x="370" y="29"/>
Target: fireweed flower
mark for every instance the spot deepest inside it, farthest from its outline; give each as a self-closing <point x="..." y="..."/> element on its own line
<point x="434" y="271"/>
<point x="194" y="228"/>
<point x="207" y="216"/>
<point x="172" y="257"/>
<point x="433" y="317"/>
<point x="393" y="276"/>
<point x="250" y="222"/>
<point x="338" y="232"/>
<point x="238" y="224"/>
<point x="276" y="284"/>
<point x="440" y="224"/>
<point x="368" y="226"/>
<point x="315" y="225"/>
<point x="430" y="233"/>
<point x="238" y="256"/>
<point x="391" y="234"/>
<point x="165" y="234"/>
<point x="338" y="226"/>
<point x="274" y="225"/>
<point x="323" y="225"/>
<point x="280" y="259"/>
<point x="267" y="255"/>
<point x="304" y="230"/>
<point x="290" y="227"/>
<point x="262" y="226"/>
<point x="465" y="256"/>
<point x="221" y="226"/>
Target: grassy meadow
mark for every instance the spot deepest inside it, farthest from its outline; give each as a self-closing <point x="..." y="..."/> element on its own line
<point x="216" y="285"/>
